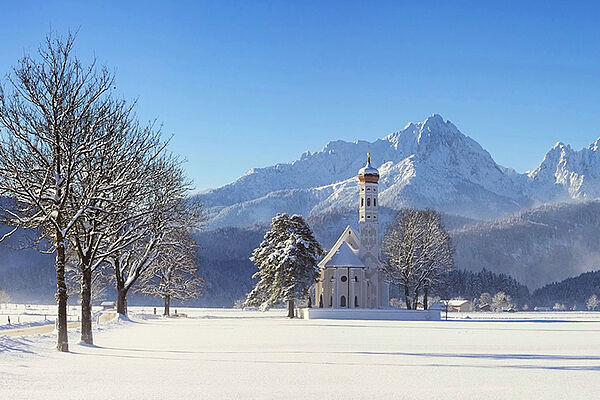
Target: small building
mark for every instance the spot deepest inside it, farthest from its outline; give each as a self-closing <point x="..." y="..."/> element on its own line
<point x="108" y="305"/>
<point x="460" y="305"/>
<point x="485" y="308"/>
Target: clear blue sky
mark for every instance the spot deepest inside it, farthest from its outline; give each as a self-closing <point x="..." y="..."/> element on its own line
<point x="246" y="84"/>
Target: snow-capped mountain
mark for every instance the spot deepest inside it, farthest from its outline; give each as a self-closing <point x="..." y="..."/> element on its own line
<point x="426" y="164"/>
<point x="568" y="174"/>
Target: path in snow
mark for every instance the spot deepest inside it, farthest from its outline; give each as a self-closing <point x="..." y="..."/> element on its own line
<point x="36" y="330"/>
<point x="249" y="355"/>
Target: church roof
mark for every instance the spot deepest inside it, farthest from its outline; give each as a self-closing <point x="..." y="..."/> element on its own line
<point x="343" y="256"/>
<point x="350" y="238"/>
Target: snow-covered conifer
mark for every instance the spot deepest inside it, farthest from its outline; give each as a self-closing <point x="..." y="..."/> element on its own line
<point x="287" y="263"/>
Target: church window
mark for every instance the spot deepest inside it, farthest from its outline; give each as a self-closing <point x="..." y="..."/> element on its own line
<point x="356" y="279"/>
<point x="362" y="202"/>
<point x="368" y="216"/>
<point x="344" y="279"/>
<point x="368" y="189"/>
<point x="355" y="301"/>
<point x="343" y="301"/>
<point x="368" y="202"/>
<point x="330" y="301"/>
<point x="374" y="202"/>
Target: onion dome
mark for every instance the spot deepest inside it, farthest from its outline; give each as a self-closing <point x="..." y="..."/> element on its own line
<point x="368" y="173"/>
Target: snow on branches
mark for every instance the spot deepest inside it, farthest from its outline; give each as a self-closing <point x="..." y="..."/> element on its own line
<point x="77" y="167"/>
<point x="55" y="114"/>
<point x="287" y="263"/>
<point x="173" y="275"/>
<point x="417" y="252"/>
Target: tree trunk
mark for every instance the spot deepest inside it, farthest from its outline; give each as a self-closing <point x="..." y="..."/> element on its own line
<point x="291" y="308"/>
<point x="416" y="299"/>
<point x="121" y="300"/>
<point x="61" y="296"/>
<point x="407" y="297"/>
<point x="86" y="305"/>
<point x="167" y="306"/>
<point x="425" y="296"/>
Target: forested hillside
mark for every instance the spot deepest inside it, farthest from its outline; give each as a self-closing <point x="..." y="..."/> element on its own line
<point x="536" y="247"/>
<point x="570" y="292"/>
<point x="539" y="246"/>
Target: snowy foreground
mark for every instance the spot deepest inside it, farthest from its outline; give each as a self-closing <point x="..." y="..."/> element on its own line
<point x="230" y="354"/>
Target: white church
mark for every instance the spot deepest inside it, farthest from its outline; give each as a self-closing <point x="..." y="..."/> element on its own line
<point x="350" y="275"/>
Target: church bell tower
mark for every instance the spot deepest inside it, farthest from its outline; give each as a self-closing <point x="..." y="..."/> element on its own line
<point x="368" y="222"/>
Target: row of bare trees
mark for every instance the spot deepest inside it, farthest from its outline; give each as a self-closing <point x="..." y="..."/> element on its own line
<point x="77" y="167"/>
<point x="417" y="253"/>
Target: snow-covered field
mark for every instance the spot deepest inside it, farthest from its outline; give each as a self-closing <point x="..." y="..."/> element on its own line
<point x="232" y="354"/>
<point x="23" y="315"/>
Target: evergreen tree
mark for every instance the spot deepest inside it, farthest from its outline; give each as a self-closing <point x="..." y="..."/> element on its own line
<point x="287" y="263"/>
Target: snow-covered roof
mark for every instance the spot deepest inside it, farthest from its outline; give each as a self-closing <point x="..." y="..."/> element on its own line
<point x="457" y="303"/>
<point x="344" y="256"/>
<point x="344" y="252"/>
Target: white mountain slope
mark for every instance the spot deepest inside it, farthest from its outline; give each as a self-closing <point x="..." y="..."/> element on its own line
<point x="428" y="164"/>
<point x="567" y="174"/>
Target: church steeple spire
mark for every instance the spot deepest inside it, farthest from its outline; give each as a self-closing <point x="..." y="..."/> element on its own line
<point x="368" y="173"/>
<point x="368" y="216"/>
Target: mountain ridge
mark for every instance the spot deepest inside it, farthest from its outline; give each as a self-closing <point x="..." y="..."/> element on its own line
<point x="426" y="164"/>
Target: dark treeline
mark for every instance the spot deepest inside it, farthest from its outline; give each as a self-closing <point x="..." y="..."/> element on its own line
<point x="570" y="292"/>
<point x="225" y="265"/>
<point x="470" y="285"/>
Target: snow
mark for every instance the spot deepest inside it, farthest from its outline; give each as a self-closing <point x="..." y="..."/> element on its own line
<point x="344" y="256"/>
<point x="427" y="164"/>
<point x="24" y="315"/>
<point x="235" y="354"/>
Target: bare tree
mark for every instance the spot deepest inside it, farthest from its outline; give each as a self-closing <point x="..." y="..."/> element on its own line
<point x="500" y="301"/>
<point x="123" y="170"/>
<point x="99" y="282"/>
<point x="166" y="209"/>
<point x="174" y="273"/>
<point x="401" y="249"/>
<point x="435" y="255"/>
<point x="417" y="253"/>
<point x="53" y="111"/>
<point x="592" y="303"/>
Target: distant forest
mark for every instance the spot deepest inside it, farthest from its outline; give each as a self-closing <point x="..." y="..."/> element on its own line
<point x="30" y="277"/>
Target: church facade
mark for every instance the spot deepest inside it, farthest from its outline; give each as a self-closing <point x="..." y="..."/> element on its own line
<point x="349" y="273"/>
